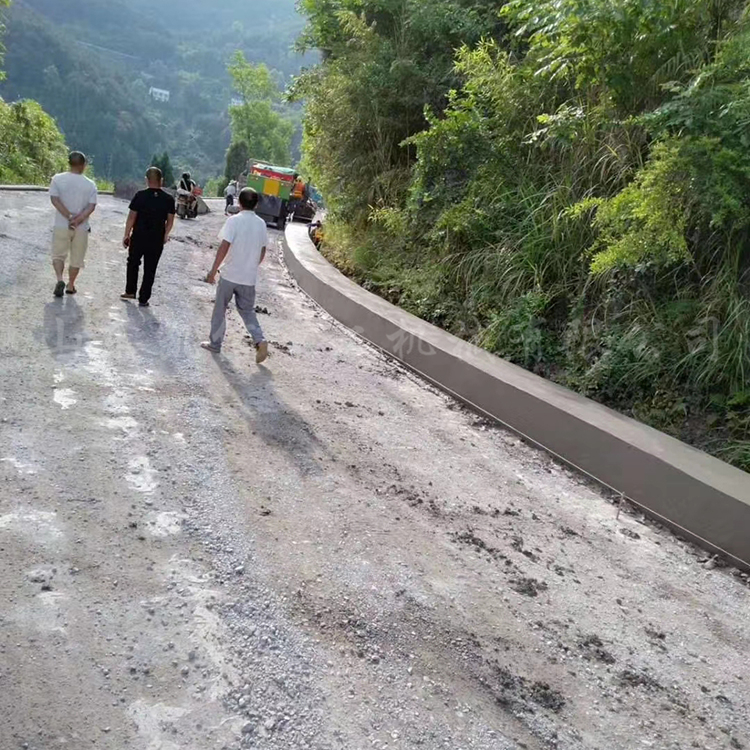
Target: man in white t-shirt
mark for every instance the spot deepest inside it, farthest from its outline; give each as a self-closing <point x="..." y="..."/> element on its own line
<point x="74" y="197"/>
<point x="230" y="194"/>
<point x="244" y="239"/>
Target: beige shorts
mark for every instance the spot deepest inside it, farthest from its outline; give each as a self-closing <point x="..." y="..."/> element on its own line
<point x="70" y="242"/>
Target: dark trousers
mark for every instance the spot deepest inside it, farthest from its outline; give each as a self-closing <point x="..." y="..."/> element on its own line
<point x="150" y="252"/>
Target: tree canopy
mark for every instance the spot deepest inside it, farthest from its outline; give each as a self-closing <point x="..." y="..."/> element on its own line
<point x="257" y="121"/>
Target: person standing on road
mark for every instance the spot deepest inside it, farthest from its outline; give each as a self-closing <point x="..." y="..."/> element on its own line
<point x="230" y="193"/>
<point x="74" y="197"/>
<point x="244" y="239"/>
<point x="147" y="230"/>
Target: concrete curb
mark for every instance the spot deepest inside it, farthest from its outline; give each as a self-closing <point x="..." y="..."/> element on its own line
<point x="700" y="497"/>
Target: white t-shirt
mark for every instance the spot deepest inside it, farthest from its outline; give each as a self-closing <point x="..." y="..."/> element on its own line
<point x="231" y="189"/>
<point x="247" y="234"/>
<point x="76" y="192"/>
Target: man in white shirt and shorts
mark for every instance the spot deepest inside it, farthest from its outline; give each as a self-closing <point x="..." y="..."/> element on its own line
<point x="74" y="197"/>
<point x="244" y="239"/>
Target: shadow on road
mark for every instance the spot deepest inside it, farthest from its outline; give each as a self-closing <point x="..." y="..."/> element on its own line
<point x="271" y="418"/>
<point x="143" y="327"/>
<point x="64" y="327"/>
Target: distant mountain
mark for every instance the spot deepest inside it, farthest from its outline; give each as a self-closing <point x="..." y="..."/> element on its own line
<point x="91" y="64"/>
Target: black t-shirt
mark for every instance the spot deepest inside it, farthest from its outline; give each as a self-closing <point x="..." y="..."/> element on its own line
<point x="153" y="208"/>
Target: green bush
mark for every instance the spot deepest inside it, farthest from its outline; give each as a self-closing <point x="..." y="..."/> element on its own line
<point x="32" y="149"/>
<point x="571" y="190"/>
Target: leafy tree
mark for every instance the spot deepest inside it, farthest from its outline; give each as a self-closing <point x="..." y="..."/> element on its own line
<point x="252" y="82"/>
<point x="238" y="157"/>
<point x="384" y="63"/>
<point x="3" y="4"/>
<point x="164" y="163"/>
<point x="32" y="149"/>
<point x="256" y="121"/>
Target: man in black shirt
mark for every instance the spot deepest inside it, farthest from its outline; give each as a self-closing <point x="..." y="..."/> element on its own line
<point x="147" y="230"/>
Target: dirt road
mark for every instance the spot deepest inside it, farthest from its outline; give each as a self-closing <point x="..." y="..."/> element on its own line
<point x="201" y="554"/>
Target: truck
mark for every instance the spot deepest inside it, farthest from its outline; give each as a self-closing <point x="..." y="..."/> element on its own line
<point x="274" y="187"/>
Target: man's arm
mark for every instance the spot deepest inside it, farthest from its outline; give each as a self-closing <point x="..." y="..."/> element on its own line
<point x="58" y="204"/>
<point x="81" y="218"/>
<point x="262" y="255"/>
<point x="54" y="196"/>
<point x="221" y="253"/>
<point x="129" y="226"/>
<point x="168" y="228"/>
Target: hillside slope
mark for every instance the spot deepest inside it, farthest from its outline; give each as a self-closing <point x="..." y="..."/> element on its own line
<point x="91" y="63"/>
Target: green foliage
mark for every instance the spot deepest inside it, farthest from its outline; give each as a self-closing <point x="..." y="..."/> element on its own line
<point x="32" y="149"/>
<point x="256" y="122"/>
<point x="691" y="187"/>
<point x="91" y="64"/>
<point x="252" y="82"/>
<point x="564" y="182"/>
<point x="214" y="188"/>
<point x="385" y="61"/>
<point x="238" y="156"/>
<point x="165" y="164"/>
<point x="3" y="4"/>
<point x="625" y="50"/>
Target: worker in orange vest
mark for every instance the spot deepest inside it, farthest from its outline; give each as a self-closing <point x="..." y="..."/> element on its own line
<point x="298" y="191"/>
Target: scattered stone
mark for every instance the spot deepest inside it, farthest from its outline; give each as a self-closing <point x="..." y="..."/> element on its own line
<point x="528" y="586"/>
<point x="593" y="648"/>
<point x="633" y="678"/>
<point x="625" y="531"/>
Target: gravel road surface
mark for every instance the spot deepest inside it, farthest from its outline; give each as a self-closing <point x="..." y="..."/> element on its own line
<point x="324" y="552"/>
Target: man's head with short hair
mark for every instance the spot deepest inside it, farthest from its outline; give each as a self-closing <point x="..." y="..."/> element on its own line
<point x="248" y="199"/>
<point x="77" y="162"/>
<point x="154" y="177"/>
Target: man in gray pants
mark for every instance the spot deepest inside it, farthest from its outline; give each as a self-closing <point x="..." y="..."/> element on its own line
<point x="244" y="239"/>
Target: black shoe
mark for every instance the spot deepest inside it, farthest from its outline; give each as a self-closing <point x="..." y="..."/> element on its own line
<point x="59" y="289"/>
<point x="144" y="304"/>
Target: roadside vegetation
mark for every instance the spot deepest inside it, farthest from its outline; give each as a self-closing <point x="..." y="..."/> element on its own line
<point x="563" y="182"/>
<point x="32" y="148"/>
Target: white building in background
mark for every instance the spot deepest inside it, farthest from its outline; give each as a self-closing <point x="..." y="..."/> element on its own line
<point x="160" y="95"/>
<point x="236" y="102"/>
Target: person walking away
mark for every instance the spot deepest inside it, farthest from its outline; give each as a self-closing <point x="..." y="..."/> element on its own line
<point x="230" y="193"/>
<point x="147" y="230"/>
<point x="74" y="197"/>
<point x="244" y="239"/>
